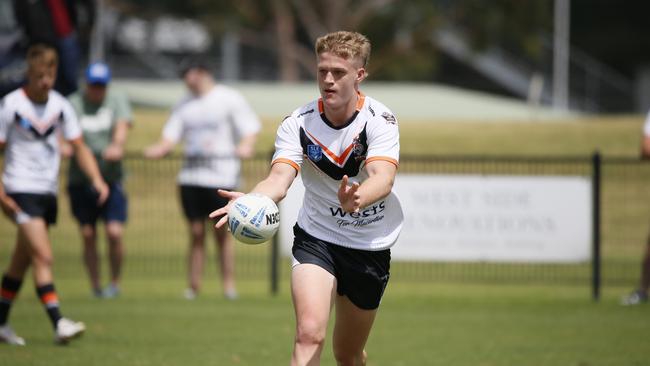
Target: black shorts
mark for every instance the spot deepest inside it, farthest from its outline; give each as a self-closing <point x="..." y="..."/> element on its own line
<point x="83" y="203"/>
<point x="361" y="275"/>
<point x="37" y="205"/>
<point x="198" y="202"/>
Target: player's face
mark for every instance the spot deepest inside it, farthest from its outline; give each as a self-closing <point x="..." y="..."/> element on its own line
<point x="41" y="78"/>
<point x="193" y="79"/>
<point x="95" y="93"/>
<point x="338" y="79"/>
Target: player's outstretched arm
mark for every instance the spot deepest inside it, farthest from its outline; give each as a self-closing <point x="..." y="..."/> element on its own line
<point x="159" y="149"/>
<point x="274" y="186"/>
<point x="88" y="165"/>
<point x="381" y="176"/>
<point x="645" y="148"/>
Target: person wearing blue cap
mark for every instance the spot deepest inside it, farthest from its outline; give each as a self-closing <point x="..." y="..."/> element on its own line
<point x="105" y="118"/>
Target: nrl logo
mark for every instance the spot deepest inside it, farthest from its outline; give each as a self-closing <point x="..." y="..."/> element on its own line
<point x="314" y="152"/>
<point x="389" y="118"/>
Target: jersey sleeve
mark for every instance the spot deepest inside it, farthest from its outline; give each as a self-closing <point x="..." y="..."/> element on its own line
<point x="71" y="128"/>
<point x="287" y="144"/>
<point x="245" y="121"/>
<point x="383" y="139"/>
<point x="173" y="130"/>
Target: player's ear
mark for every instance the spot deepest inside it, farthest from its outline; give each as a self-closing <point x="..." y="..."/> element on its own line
<point x="361" y="74"/>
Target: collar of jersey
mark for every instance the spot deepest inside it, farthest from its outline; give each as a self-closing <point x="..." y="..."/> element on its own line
<point x="321" y="110"/>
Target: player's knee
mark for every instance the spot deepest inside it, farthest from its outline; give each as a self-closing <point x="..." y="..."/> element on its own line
<point x="310" y="333"/>
<point x="114" y="233"/>
<point x="347" y="357"/>
<point x="42" y="260"/>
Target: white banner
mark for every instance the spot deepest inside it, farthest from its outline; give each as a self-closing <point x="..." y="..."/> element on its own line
<point x="483" y="218"/>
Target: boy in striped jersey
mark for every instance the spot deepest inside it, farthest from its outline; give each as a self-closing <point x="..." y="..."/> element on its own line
<point x="345" y="145"/>
<point x="30" y="121"/>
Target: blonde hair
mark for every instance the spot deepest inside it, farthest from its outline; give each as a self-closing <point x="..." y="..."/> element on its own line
<point x="42" y="55"/>
<point x="347" y="45"/>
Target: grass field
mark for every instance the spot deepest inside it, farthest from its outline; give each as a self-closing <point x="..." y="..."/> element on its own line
<point x="420" y="322"/>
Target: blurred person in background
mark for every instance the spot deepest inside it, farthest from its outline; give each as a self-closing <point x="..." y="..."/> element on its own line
<point x="105" y="118"/>
<point x="31" y="119"/>
<point x="59" y="24"/>
<point x="640" y="295"/>
<point x="217" y="128"/>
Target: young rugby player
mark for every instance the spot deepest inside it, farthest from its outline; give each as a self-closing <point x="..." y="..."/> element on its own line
<point x="345" y="145"/>
<point x="217" y="128"/>
<point x="640" y="295"/>
<point x="30" y="120"/>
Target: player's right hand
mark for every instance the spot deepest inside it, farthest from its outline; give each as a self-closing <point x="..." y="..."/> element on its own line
<point x="9" y="207"/>
<point x="223" y="211"/>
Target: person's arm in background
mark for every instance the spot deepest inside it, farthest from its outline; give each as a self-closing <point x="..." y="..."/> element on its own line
<point x="246" y="146"/>
<point x="88" y="165"/>
<point x="158" y="150"/>
<point x="8" y="205"/>
<point x="645" y="142"/>
<point x="115" y="151"/>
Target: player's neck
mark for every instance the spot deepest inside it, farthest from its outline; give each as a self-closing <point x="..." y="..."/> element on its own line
<point x="206" y="86"/>
<point x="340" y="116"/>
<point x="35" y="95"/>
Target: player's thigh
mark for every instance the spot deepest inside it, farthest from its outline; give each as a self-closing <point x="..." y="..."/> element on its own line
<point x="351" y="328"/>
<point x="312" y="291"/>
<point x="33" y="234"/>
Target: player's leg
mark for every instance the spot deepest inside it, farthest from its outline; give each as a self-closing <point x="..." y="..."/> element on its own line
<point x="196" y="255"/>
<point x="351" y="332"/>
<point x="645" y="269"/>
<point x="114" y="214"/>
<point x="11" y="283"/>
<point x="226" y="259"/>
<point x="91" y="257"/>
<point x="84" y="208"/>
<point x="312" y="290"/>
<point x="640" y="295"/>
<point x="362" y="279"/>
<point x="114" y="237"/>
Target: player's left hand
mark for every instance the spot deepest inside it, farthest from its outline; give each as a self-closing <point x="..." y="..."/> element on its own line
<point x="349" y="195"/>
<point x="102" y="191"/>
<point x="113" y="153"/>
<point x="223" y="211"/>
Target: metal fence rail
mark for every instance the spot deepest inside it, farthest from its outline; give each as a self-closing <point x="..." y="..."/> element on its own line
<point x="157" y="239"/>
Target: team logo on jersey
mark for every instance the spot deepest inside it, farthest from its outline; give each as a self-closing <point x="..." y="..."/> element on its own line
<point x="389" y="118"/>
<point x="314" y="152"/>
<point x="357" y="146"/>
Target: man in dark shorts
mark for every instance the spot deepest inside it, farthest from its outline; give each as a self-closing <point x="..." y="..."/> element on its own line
<point x="217" y="128"/>
<point x="105" y="118"/>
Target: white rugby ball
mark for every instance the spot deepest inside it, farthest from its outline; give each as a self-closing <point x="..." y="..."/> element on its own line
<point x="253" y="218"/>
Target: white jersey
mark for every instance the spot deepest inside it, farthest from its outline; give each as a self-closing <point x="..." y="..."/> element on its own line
<point x="32" y="146"/>
<point x="646" y="126"/>
<point x="210" y="127"/>
<point x="323" y="154"/>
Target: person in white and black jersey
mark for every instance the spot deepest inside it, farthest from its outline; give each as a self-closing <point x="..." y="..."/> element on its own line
<point x="345" y="145"/>
<point x="217" y="128"/>
<point x="31" y="119"/>
<point x="640" y="295"/>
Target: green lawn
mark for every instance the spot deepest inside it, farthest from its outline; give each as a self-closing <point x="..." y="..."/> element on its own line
<point x="427" y="316"/>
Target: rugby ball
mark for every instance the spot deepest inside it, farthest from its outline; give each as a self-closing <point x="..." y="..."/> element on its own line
<point x="253" y="218"/>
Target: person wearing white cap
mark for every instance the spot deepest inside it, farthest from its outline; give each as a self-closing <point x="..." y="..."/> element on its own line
<point x="105" y="118"/>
